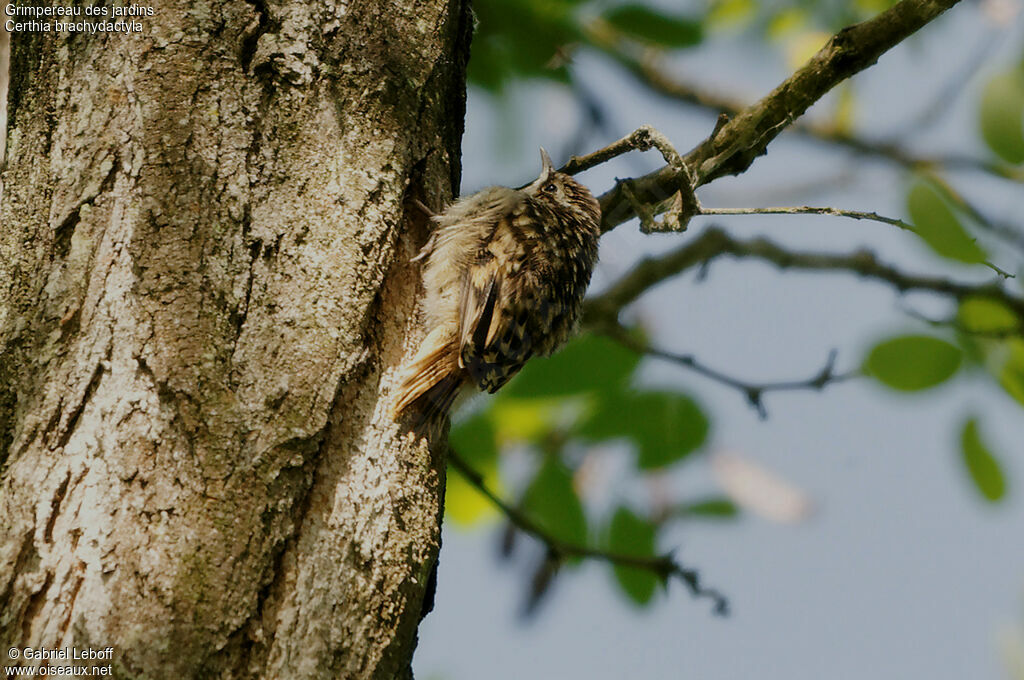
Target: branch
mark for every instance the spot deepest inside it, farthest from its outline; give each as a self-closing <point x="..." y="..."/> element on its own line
<point x="715" y="242"/>
<point x="648" y="70"/>
<point x="686" y="204"/>
<point x="852" y="214"/>
<point x="753" y="392"/>
<point x="735" y="144"/>
<point x="643" y="138"/>
<point x="664" y="566"/>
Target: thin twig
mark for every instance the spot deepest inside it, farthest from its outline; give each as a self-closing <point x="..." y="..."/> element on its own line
<point x="809" y="210"/>
<point x="683" y="204"/>
<point x="664" y="566"/>
<point x="852" y="214"/>
<point x="752" y="391"/>
<point x="734" y="145"/>
<point x="643" y="138"/>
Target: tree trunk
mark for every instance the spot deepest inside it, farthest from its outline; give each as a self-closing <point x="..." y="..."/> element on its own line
<point x="204" y="301"/>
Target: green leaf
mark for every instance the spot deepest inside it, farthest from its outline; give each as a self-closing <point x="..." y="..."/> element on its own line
<point x="524" y="420"/>
<point x="552" y="503"/>
<point x="520" y="38"/>
<point x="587" y="364"/>
<point x="712" y="508"/>
<point x="651" y="26"/>
<point x="1002" y="115"/>
<point x="1002" y="351"/>
<point x="474" y="440"/>
<point x="731" y="13"/>
<point x="463" y="503"/>
<point x="985" y="315"/>
<point x="937" y="224"/>
<point x="665" y="426"/>
<point x="981" y="464"/>
<point x="786" y="22"/>
<point x="1011" y="376"/>
<point x="913" y="362"/>
<point x="632" y="535"/>
<point x="489" y="67"/>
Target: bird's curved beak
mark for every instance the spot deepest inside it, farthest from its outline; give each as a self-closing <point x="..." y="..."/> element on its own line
<point x="547" y="167"/>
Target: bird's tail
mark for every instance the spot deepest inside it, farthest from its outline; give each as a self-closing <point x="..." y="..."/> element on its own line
<point x="432" y="380"/>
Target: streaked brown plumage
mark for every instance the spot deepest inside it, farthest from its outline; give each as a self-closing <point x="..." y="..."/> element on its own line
<point x="505" y="275"/>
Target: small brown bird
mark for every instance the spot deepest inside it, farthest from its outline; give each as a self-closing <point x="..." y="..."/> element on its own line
<point x="505" y="274"/>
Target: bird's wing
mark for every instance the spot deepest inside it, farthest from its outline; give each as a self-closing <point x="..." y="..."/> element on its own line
<point x="480" y="291"/>
<point x="493" y="338"/>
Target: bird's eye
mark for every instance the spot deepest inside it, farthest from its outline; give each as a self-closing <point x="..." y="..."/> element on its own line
<point x="550" y="187"/>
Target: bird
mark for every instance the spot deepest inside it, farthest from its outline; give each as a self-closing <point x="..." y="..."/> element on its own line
<point x="504" y="273"/>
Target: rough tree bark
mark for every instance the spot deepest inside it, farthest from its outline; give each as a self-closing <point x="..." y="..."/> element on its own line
<point x="204" y="299"/>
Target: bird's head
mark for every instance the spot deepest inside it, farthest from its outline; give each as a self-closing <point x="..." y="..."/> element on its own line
<point x="563" y="195"/>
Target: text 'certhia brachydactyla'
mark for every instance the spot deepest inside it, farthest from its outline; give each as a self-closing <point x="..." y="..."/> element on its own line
<point x="505" y="274"/>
